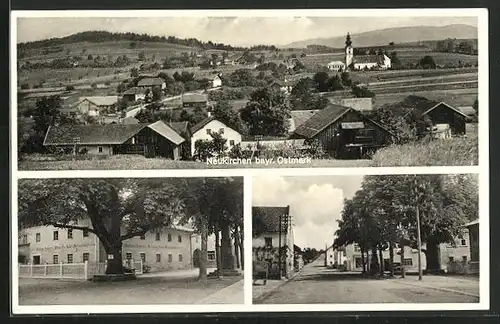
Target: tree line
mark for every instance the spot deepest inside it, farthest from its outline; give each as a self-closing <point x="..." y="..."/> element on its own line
<point x="383" y="215"/>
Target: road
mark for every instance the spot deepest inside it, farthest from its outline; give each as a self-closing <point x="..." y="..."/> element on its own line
<point x="317" y="284"/>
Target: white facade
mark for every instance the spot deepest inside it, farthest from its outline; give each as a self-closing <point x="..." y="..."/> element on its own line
<point x="336" y="66"/>
<point x="232" y="136"/>
<point x="367" y="65"/>
<point x="216" y="82"/>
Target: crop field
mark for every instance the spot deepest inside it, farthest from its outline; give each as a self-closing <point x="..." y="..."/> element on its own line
<point x="456" y="97"/>
<point x="439" y="57"/>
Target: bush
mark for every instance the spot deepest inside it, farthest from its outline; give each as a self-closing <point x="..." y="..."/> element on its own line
<point x="70" y="87"/>
<point x="25" y="86"/>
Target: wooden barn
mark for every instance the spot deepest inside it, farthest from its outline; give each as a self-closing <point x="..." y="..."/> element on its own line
<point x="438" y="119"/>
<point x="150" y="140"/>
<point x="344" y="132"/>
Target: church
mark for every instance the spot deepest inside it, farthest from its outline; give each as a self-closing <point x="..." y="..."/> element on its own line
<point x="359" y="62"/>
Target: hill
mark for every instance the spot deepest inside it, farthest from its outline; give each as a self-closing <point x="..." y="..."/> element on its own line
<point x="396" y="35"/>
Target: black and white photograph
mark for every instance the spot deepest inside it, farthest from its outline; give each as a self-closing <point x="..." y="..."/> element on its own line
<point x="130" y="241"/>
<point x="246" y="91"/>
<point x="365" y="239"/>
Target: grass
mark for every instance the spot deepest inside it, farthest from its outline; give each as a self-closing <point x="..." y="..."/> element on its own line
<point x="454" y="97"/>
<point x="144" y="290"/>
<point x="459" y="151"/>
<point x="129" y="162"/>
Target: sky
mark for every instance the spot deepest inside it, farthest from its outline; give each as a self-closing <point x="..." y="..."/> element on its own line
<point x="237" y="31"/>
<point x="315" y="203"/>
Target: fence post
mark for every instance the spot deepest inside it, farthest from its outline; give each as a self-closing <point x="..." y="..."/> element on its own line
<point x="60" y="269"/>
<point x="85" y="269"/>
<point x="45" y="270"/>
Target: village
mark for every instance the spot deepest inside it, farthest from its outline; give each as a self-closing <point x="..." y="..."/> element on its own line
<point x="257" y="104"/>
<point x="361" y="262"/>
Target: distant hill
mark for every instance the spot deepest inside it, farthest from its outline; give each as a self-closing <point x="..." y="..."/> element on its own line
<point x="396" y="35"/>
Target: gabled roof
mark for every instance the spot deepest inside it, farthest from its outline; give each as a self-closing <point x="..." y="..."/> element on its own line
<point x="299" y="117"/>
<point x="101" y="100"/>
<point x="180" y="127"/>
<point x="266" y="219"/>
<point x="201" y="124"/>
<point x="135" y="90"/>
<point x="194" y="98"/>
<point x="147" y="82"/>
<point x="368" y="58"/>
<point x="167" y="132"/>
<point x="321" y="120"/>
<point x="468" y="110"/>
<point x="91" y="134"/>
<point x="426" y="106"/>
<point x="130" y="120"/>
<point x="336" y="63"/>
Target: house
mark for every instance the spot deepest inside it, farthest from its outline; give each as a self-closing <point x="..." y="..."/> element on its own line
<point x="94" y="106"/>
<point x="217" y="81"/>
<point x="204" y="128"/>
<point x="135" y="94"/>
<point x="273" y="232"/>
<point x="151" y="83"/>
<point x="473" y="228"/>
<point x="298" y="117"/>
<point x="360" y="104"/>
<point x="470" y="112"/>
<point x="344" y="132"/>
<point x="335" y="257"/>
<point x="169" y="248"/>
<point x="438" y="119"/>
<point x="298" y="260"/>
<point x="150" y="140"/>
<point x="337" y="66"/>
<point x="194" y="100"/>
<point x="285" y="86"/>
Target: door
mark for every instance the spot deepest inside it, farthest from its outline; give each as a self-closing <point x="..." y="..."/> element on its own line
<point x="36" y="259"/>
<point x="196" y="258"/>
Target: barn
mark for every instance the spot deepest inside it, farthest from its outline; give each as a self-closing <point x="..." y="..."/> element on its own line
<point x="344" y="132"/>
<point x="150" y="140"/>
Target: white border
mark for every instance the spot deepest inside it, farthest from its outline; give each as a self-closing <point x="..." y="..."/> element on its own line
<point x="482" y="169"/>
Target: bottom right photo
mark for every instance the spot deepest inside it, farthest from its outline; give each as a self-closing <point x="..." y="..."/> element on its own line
<point x="411" y="238"/>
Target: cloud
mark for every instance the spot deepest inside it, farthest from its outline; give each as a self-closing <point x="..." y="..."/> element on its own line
<point x="315" y="203"/>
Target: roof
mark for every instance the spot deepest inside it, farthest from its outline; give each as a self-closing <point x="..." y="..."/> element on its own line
<point x="91" y="134"/>
<point x="468" y="110"/>
<point x="101" y="100"/>
<point x="299" y="117"/>
<point x="167" y="132"/>
<point x="321" y="120"/>
<point x="147" y="82"/>
<point x="135" y="90"/>
<point x="266" y="219"/>
<point x="130" y="120"/>
<point x="274" y="144"/>
<point x="336" y="63"/>
<point x="201" y="124"/>
<point x="194" y="97"/>
<point x="426" y="106"/>
<point x="474" y="222"/>
<point x="368" y="59"/>
<point x="180" y="127"/>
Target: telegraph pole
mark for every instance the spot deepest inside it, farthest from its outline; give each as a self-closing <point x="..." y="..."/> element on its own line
<point x="419" y="238"/>
<point x="279" y="246"/>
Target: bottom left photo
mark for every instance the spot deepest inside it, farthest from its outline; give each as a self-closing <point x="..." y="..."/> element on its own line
<point x="130" y="241"/>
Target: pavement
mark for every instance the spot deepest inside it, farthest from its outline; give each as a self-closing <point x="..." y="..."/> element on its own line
<point x="316" y="284"/>
<point x="177" y="274"/>
<point x="233" y="294"/>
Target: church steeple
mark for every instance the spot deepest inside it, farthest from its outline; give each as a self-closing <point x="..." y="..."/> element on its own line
<point x="348" y="42"/>
<point x="349" y="54"/>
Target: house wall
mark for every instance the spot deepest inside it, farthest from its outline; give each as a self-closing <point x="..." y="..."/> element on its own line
<point x="94" y="149"/>
<point x="215" y="126"/>
<point x="361" y="66"/>
<point x="474" y="242"/>
<point x="410" y="254"/>
<point x="451" y="253"/>
<point x="217" y="82"/>
<point x="286" y="239"/>
<point x="196" y="244"/>
<point x="445" y="115"/>
<point x="86" y="107"/>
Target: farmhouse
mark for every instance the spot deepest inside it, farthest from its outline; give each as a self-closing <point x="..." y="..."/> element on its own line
<point x="440" y="120"/>
<point x="204" y="128"/>
<point x="93" y="106"/>
<point x="285" y="86"/>
<point x="269" y="236"/>
<point x="338" y="66"/>
<point x="150" y="140"/>
<point x="194" y="100"/>
<point x="135" y="94"/>
<point x="217" y="81"/>
<point x="152" y="83"/>
<point x="344" y="132"/>
<point x="168" y="248"/>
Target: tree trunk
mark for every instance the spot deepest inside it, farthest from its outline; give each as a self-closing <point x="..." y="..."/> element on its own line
<point x="240" y="243"/>
<point x="391" y="258"/>
<point x="363" y="260"/>
<point x="236" y="247"/>
<point x="403" y="274"/>
<point x="381" y="261"/>
<point x="374" y="261"/>
<point x="114" y="265"/>
<point x="217" y="251"/>
<point x="202" y="275"/>
<point x="227" y="258"/>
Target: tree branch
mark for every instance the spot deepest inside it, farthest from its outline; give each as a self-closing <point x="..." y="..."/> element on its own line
<point x="82" y="228"/>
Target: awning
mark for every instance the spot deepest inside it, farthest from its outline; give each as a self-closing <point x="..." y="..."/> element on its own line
<point x="352" y="125"/>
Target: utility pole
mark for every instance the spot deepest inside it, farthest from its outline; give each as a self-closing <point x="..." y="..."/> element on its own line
<point x="419" y="239"/>
<point x="279" y="246"/>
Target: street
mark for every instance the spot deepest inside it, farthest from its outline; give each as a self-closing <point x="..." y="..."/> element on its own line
<point x="316" y="284"/>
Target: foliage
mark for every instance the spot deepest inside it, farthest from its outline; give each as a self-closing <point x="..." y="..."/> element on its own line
<point x="226" y="94"/>
<point x="302" y="97"/>
<point x="427" y="62"/>
<point x="266" y="113"/>
<point x="204" y="149"/>
<point x="361" y="92"/>
<point x="223" y="112"/>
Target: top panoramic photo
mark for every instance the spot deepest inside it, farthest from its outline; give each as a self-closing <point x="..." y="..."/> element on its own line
<point x="195" y="92"/>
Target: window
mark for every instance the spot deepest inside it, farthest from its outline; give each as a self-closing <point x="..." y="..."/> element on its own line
<point x="158" y="257"/>
<point x="221" y="130"/>
<point x="170" y="257"/>
<point x="343" y="253"/>
<point x="408" y="262"/>
<point x="331" y="255"/>
<point x="56" y="235"/>
<point x="169" y="237"/>
<point x="357" y="248"/>
<point x="70" y="233"/>
<point x="211" y="255"/>
<point x="209" y="131"/>
<point x="196" y="239"/>
<point x="463" y="242"/>
<point x="180" y="257"/>
<point x="86" y="256"/>
<point x="231" y="142"/>
<point x="143" y="257"/>
<point x="85" y="233"/>
<point x="55" y="259"/>
<point x="464" y="258"/>
<point x="179" y="239"/>
<point x="143" y="236"/>
<point x="451" y="259"/>
<point x="128" y="256"/>
<point x="157" y="236"/>
<point x="37" y="237"/>
<point x="70" y="258"/>
<point x="100" y="149"/>
<point x="25" y="239"/>
<point x="268" y="241"/>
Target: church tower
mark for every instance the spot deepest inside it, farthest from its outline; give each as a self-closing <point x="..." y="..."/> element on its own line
<point x="348" y="51"/>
